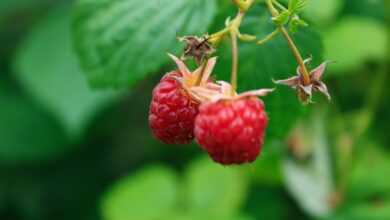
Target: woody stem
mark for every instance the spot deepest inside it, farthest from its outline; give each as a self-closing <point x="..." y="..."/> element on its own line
<point x="294" y="49"/>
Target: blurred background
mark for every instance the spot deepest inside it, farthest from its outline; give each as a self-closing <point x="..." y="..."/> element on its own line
<point x="75" y="85"/>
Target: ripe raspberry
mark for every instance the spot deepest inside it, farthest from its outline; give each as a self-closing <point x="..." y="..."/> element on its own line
<point x="232" y="131"/>
<point x="172" y="111"/>
<point x="174" y="107"/>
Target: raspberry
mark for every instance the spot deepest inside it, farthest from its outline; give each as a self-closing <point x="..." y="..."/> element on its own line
<point x="172" y="111"/>
<point x="232" y="131"/>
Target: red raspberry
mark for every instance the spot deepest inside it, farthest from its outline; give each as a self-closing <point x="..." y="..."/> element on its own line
<point x="172" y="111"/>
<point x="232" y="131"/>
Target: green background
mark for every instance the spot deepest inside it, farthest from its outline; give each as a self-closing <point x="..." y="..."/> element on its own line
<point x="75" y="86"/>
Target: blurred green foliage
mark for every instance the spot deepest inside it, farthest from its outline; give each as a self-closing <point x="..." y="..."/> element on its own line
<point x="73" y="102"/>
<point x="198" y="195"/>
<point x="75" y="85"/>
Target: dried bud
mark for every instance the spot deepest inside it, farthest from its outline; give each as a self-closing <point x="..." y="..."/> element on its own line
<point x="197" y="48"/>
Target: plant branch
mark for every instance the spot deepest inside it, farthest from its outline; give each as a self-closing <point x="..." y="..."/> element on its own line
<point x="269" y="37"/>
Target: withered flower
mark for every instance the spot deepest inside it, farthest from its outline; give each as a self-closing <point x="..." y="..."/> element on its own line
<point x="196" y="47"/>
<point x="305" y="90"/>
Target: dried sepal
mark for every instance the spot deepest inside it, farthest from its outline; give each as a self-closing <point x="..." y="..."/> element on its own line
<point x="316" y="79"/>
<point x="203" y="73"/>
<point x="181" y="66"/>
<point x="322" y="88"/>
<point x="204" y="94"/>
<point x="222" y="90"/>
<point x="258" y="92"/>
<point x="293" y="82"/>
<point x="316" y="84"/>
<point x="197" y="80"/>
<point x="197" y="77"/>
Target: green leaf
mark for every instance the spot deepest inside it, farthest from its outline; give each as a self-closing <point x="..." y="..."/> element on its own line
<point x="47" y="68"/>
<point x="214" y="191"/>
<point x="27" y="133"/>
<point x="353" y="41"/>
<point x="150" y="194"/>
<point x="259" y="64"/>
<point x="120" y="42"/>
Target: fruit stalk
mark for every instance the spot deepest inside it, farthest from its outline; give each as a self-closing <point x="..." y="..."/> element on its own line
<point x="204" y="65"/>
<point x="233" y="80"/>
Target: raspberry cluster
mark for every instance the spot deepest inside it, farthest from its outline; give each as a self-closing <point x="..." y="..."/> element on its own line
<point x="228" y="126"/>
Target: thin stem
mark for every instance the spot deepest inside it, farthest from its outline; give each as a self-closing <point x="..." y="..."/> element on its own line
<point x="216" y="37"/>
<point x="204" y="65"/>
<point x="269" y="37"/>
<point x="233" y="80"/>
<point x="304" y="72"/>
